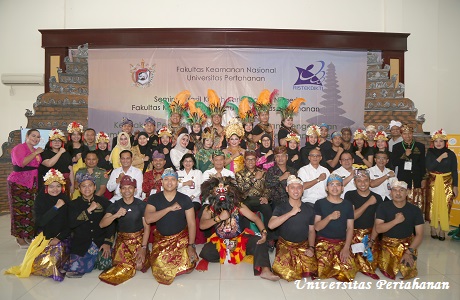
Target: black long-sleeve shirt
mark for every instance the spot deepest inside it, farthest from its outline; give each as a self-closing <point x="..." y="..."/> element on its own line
<point x="53" y="222"/>
<point x="446" y="165"/>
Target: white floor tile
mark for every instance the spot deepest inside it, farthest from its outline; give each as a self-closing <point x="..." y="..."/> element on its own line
<point x="134" y="288"/>
<point x="259" y="289"/>
<point x="68" y="289"/>
<point x="183" y="288"/>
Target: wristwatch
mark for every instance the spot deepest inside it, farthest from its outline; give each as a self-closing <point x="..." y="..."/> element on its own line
<point x="193" y="246"/>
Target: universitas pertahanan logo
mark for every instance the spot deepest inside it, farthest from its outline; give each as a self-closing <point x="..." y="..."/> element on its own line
<point x="142" y="74"/>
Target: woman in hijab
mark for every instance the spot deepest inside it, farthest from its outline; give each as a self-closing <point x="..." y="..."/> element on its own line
<point x="265" y="157"/>
<point x="123" y="143"/>
<point x="142" y="152"/>
<point x="180" y="149"/>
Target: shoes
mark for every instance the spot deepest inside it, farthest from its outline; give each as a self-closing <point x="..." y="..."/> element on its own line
<point x="434" y="235"/>
<point x="442" y="238"/>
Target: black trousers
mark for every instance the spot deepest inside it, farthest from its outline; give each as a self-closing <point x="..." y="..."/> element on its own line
<point x="260" y="252"/>
<point x="265" y="209"/>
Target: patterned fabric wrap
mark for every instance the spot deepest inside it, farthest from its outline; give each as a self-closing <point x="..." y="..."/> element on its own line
<point x="364" y="266"/>
<point x="25" y="268"/>
<point x="21" y="201"/>
<point x="292" y="263"/>
<point x="416" y="196"/>
<point x="123" y="261"/>
<point x="239" y="250"/>
<point x="50" y="263"/>
<point x="169" y="257"/>
<point x="392" y="250"/>
<point x="439" y="199"/>
<point x="93" y="259"/>
<point x="237" y="164"/>
<point x="329" y="264"/>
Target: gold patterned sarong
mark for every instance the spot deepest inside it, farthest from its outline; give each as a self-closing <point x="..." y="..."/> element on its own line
<point x="439" y="199"/>
<point x="416" y="196"/>
<point x="364" y="266"/>
<point x="329" y="264"/>
<point x="392" y="250"/>
<point x="123" y="258"/>
<point x="169" y="256"/>
<point x="37" y="246"/>
<point x="291" y="261"/>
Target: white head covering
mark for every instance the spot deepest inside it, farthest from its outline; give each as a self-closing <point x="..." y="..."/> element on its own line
<point x="178" y="146"/>
<point x="400" y="184"/>
<point x="293" y="179"/>
<point x="395" y="123"/>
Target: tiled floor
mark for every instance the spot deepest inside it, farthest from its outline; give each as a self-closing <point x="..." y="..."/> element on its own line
<point x="437" y="262"/>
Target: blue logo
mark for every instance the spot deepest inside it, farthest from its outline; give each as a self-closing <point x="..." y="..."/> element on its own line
<point x="313" y="74"/>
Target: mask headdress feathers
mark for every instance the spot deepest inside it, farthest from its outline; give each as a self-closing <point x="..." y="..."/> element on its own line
<point x="196" y="115"/>
<point x="246" y="110"/>
<point x="287" y="109"/>
<point x="178" y="105"/>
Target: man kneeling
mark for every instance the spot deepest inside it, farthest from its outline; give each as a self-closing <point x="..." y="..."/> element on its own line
<point x="231" y="242"/>
<point x="397" y="220"/>
<point x="295" y="251"/>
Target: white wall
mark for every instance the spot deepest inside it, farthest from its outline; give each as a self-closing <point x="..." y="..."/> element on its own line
<point x="431" y="63"/>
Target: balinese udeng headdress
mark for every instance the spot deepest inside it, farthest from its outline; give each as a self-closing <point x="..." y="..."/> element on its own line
<point x="264" y="101"/>
<point x="361" y="173"/>
<point x="198" y="112"/>
<point x="102" y="137"/>
<point x="178" y="105"/>
<point x="381" y="135"/>
<point x="246" y="110"/>
<point x="51" y="176"/>
<point x="293" y="137"/>
<point x="56" y="134"/>
<point x="313" y="129"/>
<point x="215" y="107"/>
<point x="440" y="134"/>
<point x="234" y="127"/>
<point x="360" y="134"/>
<point x="286" y="108"/>
<point x="371" y="128"/>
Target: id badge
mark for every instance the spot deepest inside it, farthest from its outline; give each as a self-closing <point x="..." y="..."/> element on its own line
<point x="408" y="165"/>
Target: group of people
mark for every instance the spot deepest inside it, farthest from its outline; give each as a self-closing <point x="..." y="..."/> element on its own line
<point x="230" y="188"/>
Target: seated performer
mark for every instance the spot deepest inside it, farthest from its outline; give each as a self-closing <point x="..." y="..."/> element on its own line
<point x="365" y="204"/>
<point x="49" y="251"/>
<point x="334" y="223"/>
<point x="130" y="251"/>
<point x="173" y="250"/>
<point x="397" y="220"/>
<point x="295" y="251"/>
<point x="231" y="241"/>
<point x="90" y="243"/>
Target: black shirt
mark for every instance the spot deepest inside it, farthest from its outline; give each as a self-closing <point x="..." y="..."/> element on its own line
<point x="295" y="229"/>
<point x="174" y="221"/>
<point x="367" y="218"/>
<point x="102" y="163"/>
<point x="85" y="227"/>
<point x="132" y="221"/>
<point x="336" y="229"/>
<point x="412" y="217"/>
<point x="53" y="222"/>
<point x="329" y="154"/>
<point x="62" y="165"/>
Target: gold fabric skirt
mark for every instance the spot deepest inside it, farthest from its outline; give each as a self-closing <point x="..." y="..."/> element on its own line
<point x="439" y="199"/>
<point x="391" y="252"/>
<point x="416" y="196"/>
<point x="364" y="266"/>
<point x="329" y="264"/>
<point x="292" y="263"/>
<point x="123" y="261"/>
<point x="169" y="256"/>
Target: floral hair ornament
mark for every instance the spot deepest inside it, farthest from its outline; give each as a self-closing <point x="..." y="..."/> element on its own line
<point x="164" y="131"/>
<point x="56" y="134"/>
<point x="288" y="109"/>
<point x="51" y="176"/>
<point x="198" y="112"/>
<point x="75" y="127"/>
<point x="313" y="130"/>
<point x="381" y="135"/>
<point x="293" y="137"/>
<point x="215" y="105"/>
<point x="360" y="134"/>
<point x="440" y="134"/>
<point x="264" y="101"/>
<point x="234" y="127"/>
<point x="102" y="137"/>
<point x="246" y="110"/>
<point x="178" y="105"/>
<point x="220" y="191"/>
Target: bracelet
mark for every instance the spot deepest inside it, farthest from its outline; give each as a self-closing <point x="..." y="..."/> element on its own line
<point x="263" y="231"/>
<point x="217" y="219"/>
<point x="192" y="245"/>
